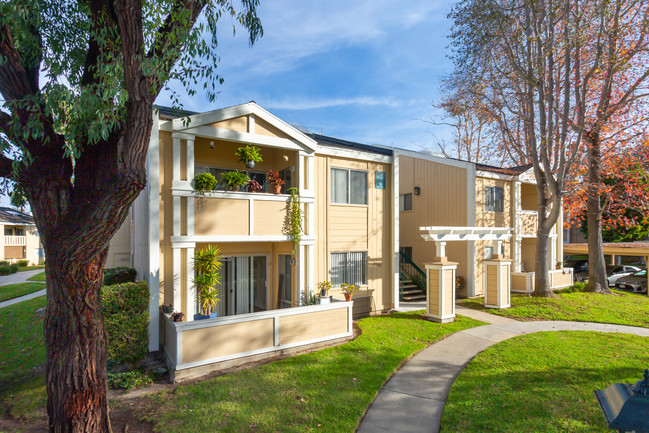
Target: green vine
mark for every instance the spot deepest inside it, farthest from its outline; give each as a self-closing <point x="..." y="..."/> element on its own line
<point x="295" y="214"/>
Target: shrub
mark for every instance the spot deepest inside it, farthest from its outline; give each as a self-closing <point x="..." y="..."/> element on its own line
<point x="5" y="270"/>
<point x="129" y="380"/>
<point x="13" y="268"/>
<point x="23" y="263"/>
<point x="126" y="317"/>
<point x="204" y="182"/>
<point x="4" y="263"/>
<point x="119" y="275"/>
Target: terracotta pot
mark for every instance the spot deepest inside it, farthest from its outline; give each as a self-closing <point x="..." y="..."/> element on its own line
<point x="348" y="296"/>
<point x="277" y="189"/>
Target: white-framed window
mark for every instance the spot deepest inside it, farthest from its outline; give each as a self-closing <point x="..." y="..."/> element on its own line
<point x="348" y="186"/>
<point x="349" y="268"/>
<point x="405" y="202"/>
<point x="19" y="232"/>
<point x="494" y="199"/>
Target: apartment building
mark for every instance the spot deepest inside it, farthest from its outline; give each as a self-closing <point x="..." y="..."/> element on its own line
<point x="20" y="240"/>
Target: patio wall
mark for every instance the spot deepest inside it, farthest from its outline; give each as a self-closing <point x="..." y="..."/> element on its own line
<point x="189" y="346"/>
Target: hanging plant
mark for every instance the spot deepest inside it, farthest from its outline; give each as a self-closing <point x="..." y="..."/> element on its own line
<point x="249" y="155"/>
<point x="295" y="217"/>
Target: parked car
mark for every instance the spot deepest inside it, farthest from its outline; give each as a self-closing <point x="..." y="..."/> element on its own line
<point x="613" y="273"/>
<point x="576" y="265"/>
<point x="636" y="282"/>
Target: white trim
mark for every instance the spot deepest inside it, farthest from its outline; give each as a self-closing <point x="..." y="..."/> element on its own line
<point x="301" y="278"/>
<point x="492" y="175"/>
<point x="354" y="154"/>
<point x="395" y="230"/>
<point x="183" y="189"/>
<point x="437" y="159"/>
<point x="471" y="222"/>
<point x="176" y="158"/>
<point x="153" y="278"/>
<point x="191" y="290"/>
<point x="179" y="347"/>
<point x="245" y="137"/>
<point x="466" y="233"/>
<point x="184" y="241"/>
<point x="249" y="108"/>
<point x="176" y="279"/>
<point x="251" y="123"/>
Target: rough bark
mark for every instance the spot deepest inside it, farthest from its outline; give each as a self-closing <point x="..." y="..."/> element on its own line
<point x="597" y="281"/>
<point x="546" y="221"/>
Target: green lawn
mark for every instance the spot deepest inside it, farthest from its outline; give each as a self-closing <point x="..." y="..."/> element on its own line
<point x="543" y="383"/>
<point x="37" y="277"/>
<point x="621" y="308"/>
<point x="327" y="390"/>
<point x="11" y="291"/>
<point x="30" y="268"/>
<point x="23" y="347"/>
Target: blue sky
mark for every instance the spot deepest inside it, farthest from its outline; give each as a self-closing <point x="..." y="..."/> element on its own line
<point x="364" y="71"/>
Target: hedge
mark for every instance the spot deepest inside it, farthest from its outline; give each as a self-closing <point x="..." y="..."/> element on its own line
<point x="119" y="275"/>
<point x="126" y="317"/>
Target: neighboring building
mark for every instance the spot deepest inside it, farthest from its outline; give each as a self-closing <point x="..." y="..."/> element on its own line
<point x="474" y="208"/>
<point x="351" y="196"/>
<point x="21" y="240"/>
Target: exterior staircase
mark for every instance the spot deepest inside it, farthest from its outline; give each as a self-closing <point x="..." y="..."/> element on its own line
<point x="412" y="280"/>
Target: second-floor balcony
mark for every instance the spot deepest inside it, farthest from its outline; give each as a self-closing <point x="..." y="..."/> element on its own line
<point x="240" y="216"/>
<point x="528" y="221"/>
<point x="15" y="241"/>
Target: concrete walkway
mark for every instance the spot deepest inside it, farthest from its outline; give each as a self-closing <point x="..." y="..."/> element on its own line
<point x="413" y="400"/>
<point x="20" y="277"/>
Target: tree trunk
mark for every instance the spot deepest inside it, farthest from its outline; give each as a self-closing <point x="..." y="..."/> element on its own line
<point x="545" y="222"/>
<point x="597" y="281"/>
<point x="76" y="343"/>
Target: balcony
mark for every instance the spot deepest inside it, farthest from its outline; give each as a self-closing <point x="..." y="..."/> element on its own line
<point x="528" y="221"/>
<point x="17" y="241"/>
<point x="238" y="216"/>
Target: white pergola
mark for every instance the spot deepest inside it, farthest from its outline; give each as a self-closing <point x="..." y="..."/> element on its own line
<point x="440" y="235"/>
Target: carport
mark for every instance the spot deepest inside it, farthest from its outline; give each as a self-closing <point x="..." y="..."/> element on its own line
<point x="632" y="249"/>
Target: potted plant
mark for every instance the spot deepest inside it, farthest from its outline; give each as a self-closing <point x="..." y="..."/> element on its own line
<point x="275" y="180"/>
<point x="253" y="186"/>
<point x="348" y="290"/>
<point x="323" y="289"/>
<point x="249" y="155"/>
<point x="204" y="182"/>
<point x="234" y="180"/>
<point x="177" y="316"/>
<point x="167" y="308"/>
<point x="206" y="268"/>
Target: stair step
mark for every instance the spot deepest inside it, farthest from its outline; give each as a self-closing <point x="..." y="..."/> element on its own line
<point x="415" y="298"/>
<point x="411" y="292"/>
<point x="409" y="286"/>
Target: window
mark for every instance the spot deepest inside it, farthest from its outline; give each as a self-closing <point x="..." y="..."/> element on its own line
<point x="349" y="268"/>
<point x="259" y="176"/>
<point x="9" y="231"/>
<point x="20" y="232"/>
<point x="348" y="186"/>
<point x="494" y="199"/>
<point x="405" y="202"/>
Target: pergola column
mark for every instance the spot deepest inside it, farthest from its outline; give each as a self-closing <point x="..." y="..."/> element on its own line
<point x="440" y="290"/>
<point x="497" y="283"/>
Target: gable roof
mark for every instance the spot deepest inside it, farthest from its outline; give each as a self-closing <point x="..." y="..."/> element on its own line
<point x="201" y="124"/>
<point x="15" y="217"/>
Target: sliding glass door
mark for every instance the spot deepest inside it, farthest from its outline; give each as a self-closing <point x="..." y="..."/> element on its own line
<point x="243" y="288"/>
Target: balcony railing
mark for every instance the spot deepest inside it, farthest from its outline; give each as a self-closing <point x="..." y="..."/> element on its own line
<point x="14" y="241"/>
<point x="528" y="223"/>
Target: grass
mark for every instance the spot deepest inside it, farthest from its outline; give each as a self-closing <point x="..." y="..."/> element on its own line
<point x="543" y="383"/>
<point x="37" y="277"/>
<point x="621" y="308"/>
<point x="23" y="348"/>
<point x="11" y="291"/>
<point x="327" y="390"/>
<point x="30" y="268"/>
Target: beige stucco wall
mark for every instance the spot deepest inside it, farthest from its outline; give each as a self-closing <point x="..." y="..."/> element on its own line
<point x="348" y="227"/>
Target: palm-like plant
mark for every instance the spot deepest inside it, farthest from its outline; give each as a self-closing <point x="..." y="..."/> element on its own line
<point x="206" y="269"/>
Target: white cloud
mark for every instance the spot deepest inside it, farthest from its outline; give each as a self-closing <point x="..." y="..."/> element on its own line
<point x="312" y="104"/>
